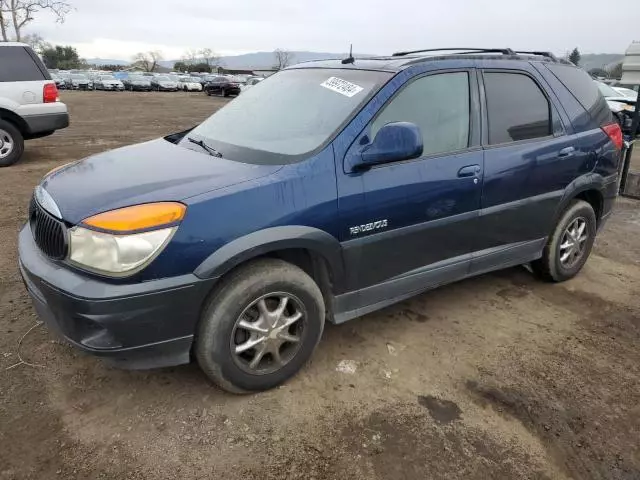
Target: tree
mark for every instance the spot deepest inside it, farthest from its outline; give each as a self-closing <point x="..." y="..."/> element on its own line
<point x="36" y="42"/>
<point x="574" y="56"/>
<point x="599" y="72"/>
<point x="148" y="61"/>
<point x="616" y="71"/>
<point x="209" y="57"/>
<point x="22" y="12"/>
<point x="283" y="58"/>
<point x="64" y="57"/>
<point x="182" y="66"/>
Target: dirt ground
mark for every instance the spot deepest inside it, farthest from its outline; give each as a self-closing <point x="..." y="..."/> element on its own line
<point x="499" y="376"/>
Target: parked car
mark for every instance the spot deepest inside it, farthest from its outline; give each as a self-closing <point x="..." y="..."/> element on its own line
<point x="164" y="84"/>
<point x="60" y="82"/>
<point x="78" y="81"/>
<point x="250" y="83"/>
<point x="335" y="189"/>
<point x="29" y="103"/>
<point x="137" y="83"/>
<point x="108" y="82"/>
<point x="189" y="84"/>
<point x="224" y="86"/>
<point x="204" y="79"/>
<point x="622" y="106"/>
<point x="627" y="92"/>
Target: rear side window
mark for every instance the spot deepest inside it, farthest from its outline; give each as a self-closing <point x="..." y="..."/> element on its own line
<point x="585" y="91"/>
<point x="516" y="107"/>
<point x="439" y="105"/>
<point x="16" y="65"/>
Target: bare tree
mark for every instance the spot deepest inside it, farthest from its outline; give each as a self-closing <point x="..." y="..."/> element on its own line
<point x="35" y="41"/>
<point x="190" y="56"/>
<point x="283" y="58"/>
<point x="3" y="22"/>
<point x="22" y="12"/>
<point x="148" y="61"/>
<point x="210" y="57"/>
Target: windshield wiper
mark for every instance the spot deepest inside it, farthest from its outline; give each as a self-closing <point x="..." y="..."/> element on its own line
<point x="210" y="150"/>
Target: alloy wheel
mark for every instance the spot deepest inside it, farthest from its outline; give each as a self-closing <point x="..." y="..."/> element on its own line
<point x="6" y="144"/>
<point x="574" y="239"/>
<point x="268" y="333"/>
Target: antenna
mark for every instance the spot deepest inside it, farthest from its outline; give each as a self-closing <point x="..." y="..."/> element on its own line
<point x="350" y="58"/>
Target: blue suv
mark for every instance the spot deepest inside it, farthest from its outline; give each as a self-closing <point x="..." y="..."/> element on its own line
<point x="330" y="190"/>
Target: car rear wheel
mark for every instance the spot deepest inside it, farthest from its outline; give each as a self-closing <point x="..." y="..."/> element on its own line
<point x="569" y="245"/>
<point x="11" y="144"/>
<point x="260" y="326"/>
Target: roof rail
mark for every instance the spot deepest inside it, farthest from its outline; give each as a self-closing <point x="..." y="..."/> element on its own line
<point x="542" y="54"/>
<point x="504" y="51"/>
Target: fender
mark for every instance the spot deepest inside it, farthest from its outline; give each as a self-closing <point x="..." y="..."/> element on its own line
<point x="588" y="181"/>
<point x="270" y="240"/>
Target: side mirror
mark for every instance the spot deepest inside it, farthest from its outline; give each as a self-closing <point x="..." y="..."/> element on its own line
<point x="394" y="142"/>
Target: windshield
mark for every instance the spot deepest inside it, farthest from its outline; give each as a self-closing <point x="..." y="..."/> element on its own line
<point x="137" y="78"/>
<point x="607" y="91"/>
<point x="173" y="78"/>
<point x="291" y="113"/>
<point x="76" y="76"/>
<point x="107" y="77"/>
<point x="162" y="79"/>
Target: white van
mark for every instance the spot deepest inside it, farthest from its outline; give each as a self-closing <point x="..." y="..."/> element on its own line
<point x="29" y="104"/>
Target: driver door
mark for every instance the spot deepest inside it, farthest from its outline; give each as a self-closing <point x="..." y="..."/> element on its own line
<point x="410" y="224"/>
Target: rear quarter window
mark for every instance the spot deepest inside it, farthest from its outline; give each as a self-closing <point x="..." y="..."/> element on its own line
<point x="17" y="65"/>
<point x="585" y="91"/>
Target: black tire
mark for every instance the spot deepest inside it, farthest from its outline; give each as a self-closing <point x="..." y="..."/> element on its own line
<point x="549" y="267"/>
<point x="242" y="287"/>
<point x="17" y="140"/>
<point x="208" y="92"/>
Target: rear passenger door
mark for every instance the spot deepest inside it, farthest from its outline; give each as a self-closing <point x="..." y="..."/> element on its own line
<point x="529" y="157"/>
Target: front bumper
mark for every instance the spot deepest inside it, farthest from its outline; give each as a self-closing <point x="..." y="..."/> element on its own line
<point x="167" y="89"/>
<point x="141" y="88"/>
<point x="113" y="87"/>
<point x="138" y="325"/>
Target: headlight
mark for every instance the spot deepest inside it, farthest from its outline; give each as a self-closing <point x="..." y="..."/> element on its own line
<point x="111" y="243"/>
<point x="116" y="254"/>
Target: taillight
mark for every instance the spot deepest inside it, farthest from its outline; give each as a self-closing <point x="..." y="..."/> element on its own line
<point x="50" y="93"/>
<point x="614" y="132"/>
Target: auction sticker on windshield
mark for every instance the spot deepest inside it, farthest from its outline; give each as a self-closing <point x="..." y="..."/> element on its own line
<point x="341" y="86"/>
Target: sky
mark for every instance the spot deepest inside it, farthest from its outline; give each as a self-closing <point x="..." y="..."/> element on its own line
<point x="118" y="29"/>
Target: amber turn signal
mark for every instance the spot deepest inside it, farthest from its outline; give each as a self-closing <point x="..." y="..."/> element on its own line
<point x="138" y="217"/>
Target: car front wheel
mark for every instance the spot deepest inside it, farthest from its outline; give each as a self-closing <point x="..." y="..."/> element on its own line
<point x="569" y="246"/>
<point x="260" y="327"/>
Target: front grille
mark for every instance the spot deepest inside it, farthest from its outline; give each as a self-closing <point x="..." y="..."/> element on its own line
<point x="49" y="233"/>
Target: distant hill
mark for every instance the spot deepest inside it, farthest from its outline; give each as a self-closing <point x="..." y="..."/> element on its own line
<point x="266" y="60"/>
<point x="106" y="61"/>
<point x="600" y="60"/>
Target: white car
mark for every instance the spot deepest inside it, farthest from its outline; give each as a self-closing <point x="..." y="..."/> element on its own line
<point x="623" y="107"/>
<point x="251" y="81"/>
<point x="189" y="84"/>
<point x="108" y="82"/>
<point x="29" y="104"/>
<point x="627" y="92"/>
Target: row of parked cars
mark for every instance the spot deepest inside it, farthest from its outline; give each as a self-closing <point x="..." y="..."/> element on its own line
<point x="622" y="102"/>
<point x="221" y="84"/>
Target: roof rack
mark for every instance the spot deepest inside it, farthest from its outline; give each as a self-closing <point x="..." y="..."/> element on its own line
<point x="504" y="51"/>
<point x="542" y="54"/>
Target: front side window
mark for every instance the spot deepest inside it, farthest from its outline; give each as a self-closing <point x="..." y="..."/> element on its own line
<point x="517" y="109"/>
<point x="438" y="105"/>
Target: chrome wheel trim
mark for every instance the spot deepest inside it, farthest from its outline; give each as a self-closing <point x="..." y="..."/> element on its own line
<point x="572" y="245"/>
<point x="6" y="144"/>
<point x="268" y="333"/>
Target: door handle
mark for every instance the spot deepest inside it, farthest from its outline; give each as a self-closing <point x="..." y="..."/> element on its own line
<point x="566" y="152"/>
<point x="469" y="171"/>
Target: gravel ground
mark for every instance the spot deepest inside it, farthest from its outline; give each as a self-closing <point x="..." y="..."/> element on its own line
<point x="500" y="376"/>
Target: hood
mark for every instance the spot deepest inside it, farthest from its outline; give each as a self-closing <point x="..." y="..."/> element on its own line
<point x="141" y="82"/>
<point x="147" y="172"/>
